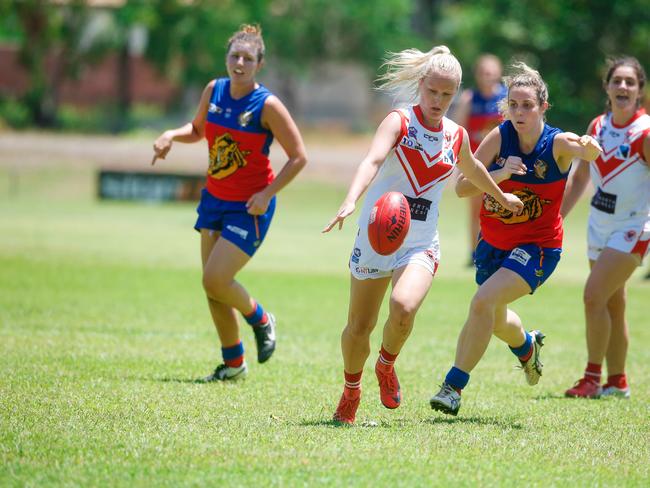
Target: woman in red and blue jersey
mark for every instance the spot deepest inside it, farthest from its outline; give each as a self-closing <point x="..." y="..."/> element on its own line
<point x="516" y="253"/>
<point x="478" y="111"/>
<point x="239" y="118"/>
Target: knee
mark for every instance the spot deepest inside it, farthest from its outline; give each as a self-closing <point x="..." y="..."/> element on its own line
<point x="214" y="285"/>
<point x="402" y="314"/>
<point x="593" y="299"/>
<point x="360" y="326"/>
<point x="482" y="304"/>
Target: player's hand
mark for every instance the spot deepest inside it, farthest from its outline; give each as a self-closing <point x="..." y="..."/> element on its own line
<point x="512" y="203"/>
<point x="161" y="147"/>
<point x="591" y="147"/>
<point x="258" y="203"/>
<point x="346" y="209"/>
<point x="513" y="166"/>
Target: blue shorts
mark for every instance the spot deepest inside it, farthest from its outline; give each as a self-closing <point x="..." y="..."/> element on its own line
<point x="236" y="225"/>
<point x="530" y="261"/>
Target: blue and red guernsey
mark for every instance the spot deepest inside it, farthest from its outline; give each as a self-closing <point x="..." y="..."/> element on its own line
<point x="541" y="190"/>
<point x="238" y="144"/>
<point x="484" y="115"/>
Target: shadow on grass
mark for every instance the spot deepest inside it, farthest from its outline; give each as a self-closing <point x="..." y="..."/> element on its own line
<point x="553" y="396"/>
<point x="495" y="421"/>
<point x="169" y="379"/>
<point x="504" y="423"/>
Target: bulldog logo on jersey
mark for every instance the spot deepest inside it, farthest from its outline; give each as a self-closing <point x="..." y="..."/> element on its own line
<point x="245" y="118"/>
<point x="226" y="157"/>
<point x="540" y="167"/>
<point x="533" y="207"/>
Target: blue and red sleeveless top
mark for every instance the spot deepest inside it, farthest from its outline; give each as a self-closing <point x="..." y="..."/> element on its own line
<point x="238" y="144"/>
<point x="541" y="190"/>
<point x="484" y="115"/>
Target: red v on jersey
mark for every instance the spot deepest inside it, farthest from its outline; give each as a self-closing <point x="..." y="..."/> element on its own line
<point x="422" y="174"/>
<point x="608" y="169"/>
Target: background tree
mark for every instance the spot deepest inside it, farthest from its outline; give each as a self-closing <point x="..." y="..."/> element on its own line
<point x="567" y="40"/>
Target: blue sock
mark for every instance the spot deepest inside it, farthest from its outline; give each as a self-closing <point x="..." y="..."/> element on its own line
<point x="233" y="356"/>
<point x="523" y="351"/>
<point x="457" y="378"/>
<point x="257" y="316"/>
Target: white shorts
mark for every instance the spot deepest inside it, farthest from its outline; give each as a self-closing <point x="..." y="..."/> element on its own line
<point x="630" y="236"/>
<point x="365" y="263"/>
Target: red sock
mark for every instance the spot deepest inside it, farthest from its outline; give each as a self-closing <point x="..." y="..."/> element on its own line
<point x="352" y="384"/>
<point x="234" y="363"/>
<point x="386" y="359"/>
<point x="593" y="372"/>
<point x="617" y="380"/>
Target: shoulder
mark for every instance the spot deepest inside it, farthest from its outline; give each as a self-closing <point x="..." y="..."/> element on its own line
<point x="596" y="123"/>
<point x="274" y="109"/>
<point x="397" y="119"/>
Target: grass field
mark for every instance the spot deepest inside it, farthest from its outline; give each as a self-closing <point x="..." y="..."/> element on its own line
<point x="104" y="327"/>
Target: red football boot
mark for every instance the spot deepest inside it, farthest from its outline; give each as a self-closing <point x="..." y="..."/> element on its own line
<point x="347" y="409"/>
<point x="389" y="390"/>
<point x="584" y="388"/>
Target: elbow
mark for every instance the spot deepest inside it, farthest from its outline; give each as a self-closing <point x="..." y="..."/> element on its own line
<point x="299" y="162"/>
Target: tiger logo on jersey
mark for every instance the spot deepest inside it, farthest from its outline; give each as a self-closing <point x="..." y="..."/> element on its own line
<point x="533" y="207"/>
<point x="226" y="157"/>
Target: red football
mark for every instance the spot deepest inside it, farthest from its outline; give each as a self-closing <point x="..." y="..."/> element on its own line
<point x="389" y="222"/>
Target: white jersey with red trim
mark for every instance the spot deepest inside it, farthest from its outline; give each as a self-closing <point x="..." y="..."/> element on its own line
<point x="422" y="160"/>
<point x="620" y="175"/>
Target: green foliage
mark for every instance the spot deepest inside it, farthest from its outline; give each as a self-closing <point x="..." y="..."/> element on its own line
<point x="14" y="113"/>
<point x="567" y="41"/>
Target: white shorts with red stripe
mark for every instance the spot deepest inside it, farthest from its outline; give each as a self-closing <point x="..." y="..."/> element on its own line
<point x="630" y="236"/>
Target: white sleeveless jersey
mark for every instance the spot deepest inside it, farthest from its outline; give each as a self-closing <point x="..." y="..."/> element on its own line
<point x="620" y="175"/>
<point x="419" y="166"/>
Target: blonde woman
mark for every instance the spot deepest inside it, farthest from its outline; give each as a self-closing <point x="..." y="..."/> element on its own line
<point x="515" y="254"/>
<point x="414" y="151"/>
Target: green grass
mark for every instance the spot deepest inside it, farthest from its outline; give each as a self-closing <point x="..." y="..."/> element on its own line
<point x="104" y="327"/>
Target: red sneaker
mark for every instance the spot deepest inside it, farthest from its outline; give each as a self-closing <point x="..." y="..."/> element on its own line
<point x="389" y="390"/>
<point x="584" y="388"/>
<point x="347" y="409"/>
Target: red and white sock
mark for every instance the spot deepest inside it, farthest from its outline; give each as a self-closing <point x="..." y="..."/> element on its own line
<point x="386" y="359"/>
<point x="593" y="372"/>
<point x="352" y="387"/>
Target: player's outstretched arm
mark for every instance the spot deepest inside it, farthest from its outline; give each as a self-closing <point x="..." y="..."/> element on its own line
<point x="190" y="132"/>
<point x="477" y="174"/>
<point x="382" y="143"/>
<point x="568" y="146"/>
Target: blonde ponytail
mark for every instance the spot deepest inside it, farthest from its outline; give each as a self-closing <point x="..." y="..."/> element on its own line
<point x="405" y="69"/>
